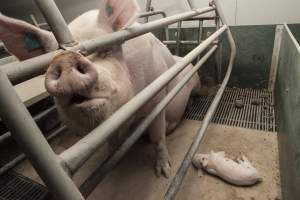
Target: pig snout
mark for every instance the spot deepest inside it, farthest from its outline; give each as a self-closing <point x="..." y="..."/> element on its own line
<point x="70" y="73"/>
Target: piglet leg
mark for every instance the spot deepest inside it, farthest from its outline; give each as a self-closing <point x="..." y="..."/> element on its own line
<point x="157" y="131"/>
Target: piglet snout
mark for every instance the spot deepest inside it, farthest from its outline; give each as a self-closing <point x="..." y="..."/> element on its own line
<point x="70" y="73"/>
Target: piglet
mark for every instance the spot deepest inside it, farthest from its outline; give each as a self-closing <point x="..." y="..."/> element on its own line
<point x="240" y="173"/>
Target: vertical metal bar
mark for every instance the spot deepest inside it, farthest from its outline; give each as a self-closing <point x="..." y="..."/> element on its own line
<point x="178" y="38"/>
<point x="200" y="35"/>
<point x="24" y="130"/>
<point x="56" y="21"/>
<point x="148" y="8"/>
<point x="177" y="181"/>
<point x="275" y="57"/>
<point x="218" y="52"/>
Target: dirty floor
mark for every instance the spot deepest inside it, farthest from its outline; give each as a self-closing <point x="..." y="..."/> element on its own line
<point x="134" y="177"/>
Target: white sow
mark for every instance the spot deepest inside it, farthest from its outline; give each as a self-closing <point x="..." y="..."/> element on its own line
<point x="88" y="89"/>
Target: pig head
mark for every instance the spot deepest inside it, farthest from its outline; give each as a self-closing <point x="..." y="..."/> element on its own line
<point x="88" y="89"/>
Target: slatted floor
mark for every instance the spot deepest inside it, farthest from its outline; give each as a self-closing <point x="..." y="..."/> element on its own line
<point x="260" y="117"/>
<point x="14" y="186"/>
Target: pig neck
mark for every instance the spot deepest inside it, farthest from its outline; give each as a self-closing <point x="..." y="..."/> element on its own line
<point x="146" y="58"/>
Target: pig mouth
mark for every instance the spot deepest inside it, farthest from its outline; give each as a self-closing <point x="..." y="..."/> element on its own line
<point x="84" y="102"/>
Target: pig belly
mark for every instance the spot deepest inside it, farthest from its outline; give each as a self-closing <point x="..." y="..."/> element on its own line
<point x="176" y="108"/>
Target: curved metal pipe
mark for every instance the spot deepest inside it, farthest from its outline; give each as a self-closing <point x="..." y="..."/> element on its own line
<point x="96" y="177"/>
<point x="77" y="155"/>
<point x="180" y="174"/>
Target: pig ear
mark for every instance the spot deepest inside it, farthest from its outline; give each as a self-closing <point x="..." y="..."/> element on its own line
<point x="115" y="15"/>
<point x="25" y="40"/>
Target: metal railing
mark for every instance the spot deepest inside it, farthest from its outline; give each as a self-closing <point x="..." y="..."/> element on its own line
<point x="51" y="167"/>
<point x="180" y="174"/>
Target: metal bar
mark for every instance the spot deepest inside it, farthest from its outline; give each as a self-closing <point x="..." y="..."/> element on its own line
<point x="77" y="155"/>
<point x="200" y="34"/>
<point x="22" y="156"/>
<point x="164" y="15"/>
<point x="177" y="181"/>
<point x="148" y="8"/>
<point x="197" y="18"/>
<point x="186" y="42"/>
<point x="106" y="41"/>
<point x="6" y="136"/>
<point x="98" y="175"/>
<point x="178" y="38"/>
<point x="219" y="52"/>
<point x="152" y="13"/>
<point x="24" y="130"/>
<point x="18" y="72"/>
<point x="56" y="21"/>
<point x="275" y="57"/>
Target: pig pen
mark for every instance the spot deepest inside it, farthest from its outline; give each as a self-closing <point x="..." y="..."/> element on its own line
<point x="252" y="130"/>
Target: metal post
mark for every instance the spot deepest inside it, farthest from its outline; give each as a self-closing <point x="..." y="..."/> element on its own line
<point x="177" y="180"/>
<point x="178" y="38"/>
<point x="148" y="8"/>
<point x="200" y="35"/>
<point x="56" y="21"/>
<point x="98" y="175"/>
<point x="76" y="156"/>
<point x="30" y="139"/>
<point x="219" y="51"/>
<point x="21" y="71"/>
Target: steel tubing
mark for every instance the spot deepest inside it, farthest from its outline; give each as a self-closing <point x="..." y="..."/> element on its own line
<point x="75" y="156"/>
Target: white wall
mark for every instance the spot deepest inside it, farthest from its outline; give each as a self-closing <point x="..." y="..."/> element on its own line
<point x="238" y="12"/>
<point x="241" y="12"/>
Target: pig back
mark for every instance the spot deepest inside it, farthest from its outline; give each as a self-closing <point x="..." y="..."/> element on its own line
<point x="146" y="58"/>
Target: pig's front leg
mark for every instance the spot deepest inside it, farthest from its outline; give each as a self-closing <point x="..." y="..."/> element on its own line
<point x="157" y="131"/>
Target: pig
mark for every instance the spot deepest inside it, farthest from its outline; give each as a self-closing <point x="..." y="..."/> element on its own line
<point x="240" y="173"/>
<point x="87" y="89"/>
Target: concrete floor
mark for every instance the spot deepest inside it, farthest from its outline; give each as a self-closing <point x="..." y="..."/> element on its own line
<point x="134" y="177"/>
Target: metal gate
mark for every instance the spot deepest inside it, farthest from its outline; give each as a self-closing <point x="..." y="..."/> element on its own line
<point x="52" y="168"/>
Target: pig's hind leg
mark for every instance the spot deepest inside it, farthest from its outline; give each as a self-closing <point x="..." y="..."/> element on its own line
<point x="157" y="132"/>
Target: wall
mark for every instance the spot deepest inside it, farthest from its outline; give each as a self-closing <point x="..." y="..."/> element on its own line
<point x="241" y="12"/>
<point x="237" y="12"/>
<point x="288" y="115"/>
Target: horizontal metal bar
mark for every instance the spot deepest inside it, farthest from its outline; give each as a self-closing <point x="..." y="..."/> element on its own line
<point x="22" y="157"/>
<point x="201" y="18"/>
<point x="151" y="13"/>
<point x="118" y="37"/>
<point x="56" y="21"/>
<point x="75" y="156"/>
<point x="6" y="136"/>
<point x="187" y="42"/>
<point x="98" y="175"/>
<point x="180" y="174"/>
<point x="18" y="72"/>
<point x="30" y="139"/>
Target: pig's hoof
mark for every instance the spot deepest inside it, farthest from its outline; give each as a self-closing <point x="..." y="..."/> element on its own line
<point x="163" y="168"/>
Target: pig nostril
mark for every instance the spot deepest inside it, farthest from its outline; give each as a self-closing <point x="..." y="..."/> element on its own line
<point x="80" y="69"/>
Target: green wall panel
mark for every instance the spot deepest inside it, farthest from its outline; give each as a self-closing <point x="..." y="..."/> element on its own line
<point x="288" y="116"/>
<point x="254" y="54"/>
<point x="295" y="28"/>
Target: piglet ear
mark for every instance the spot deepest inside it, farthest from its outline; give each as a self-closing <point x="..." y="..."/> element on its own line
<point x="115" y="15"/>
<point x="25" y="40"/>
